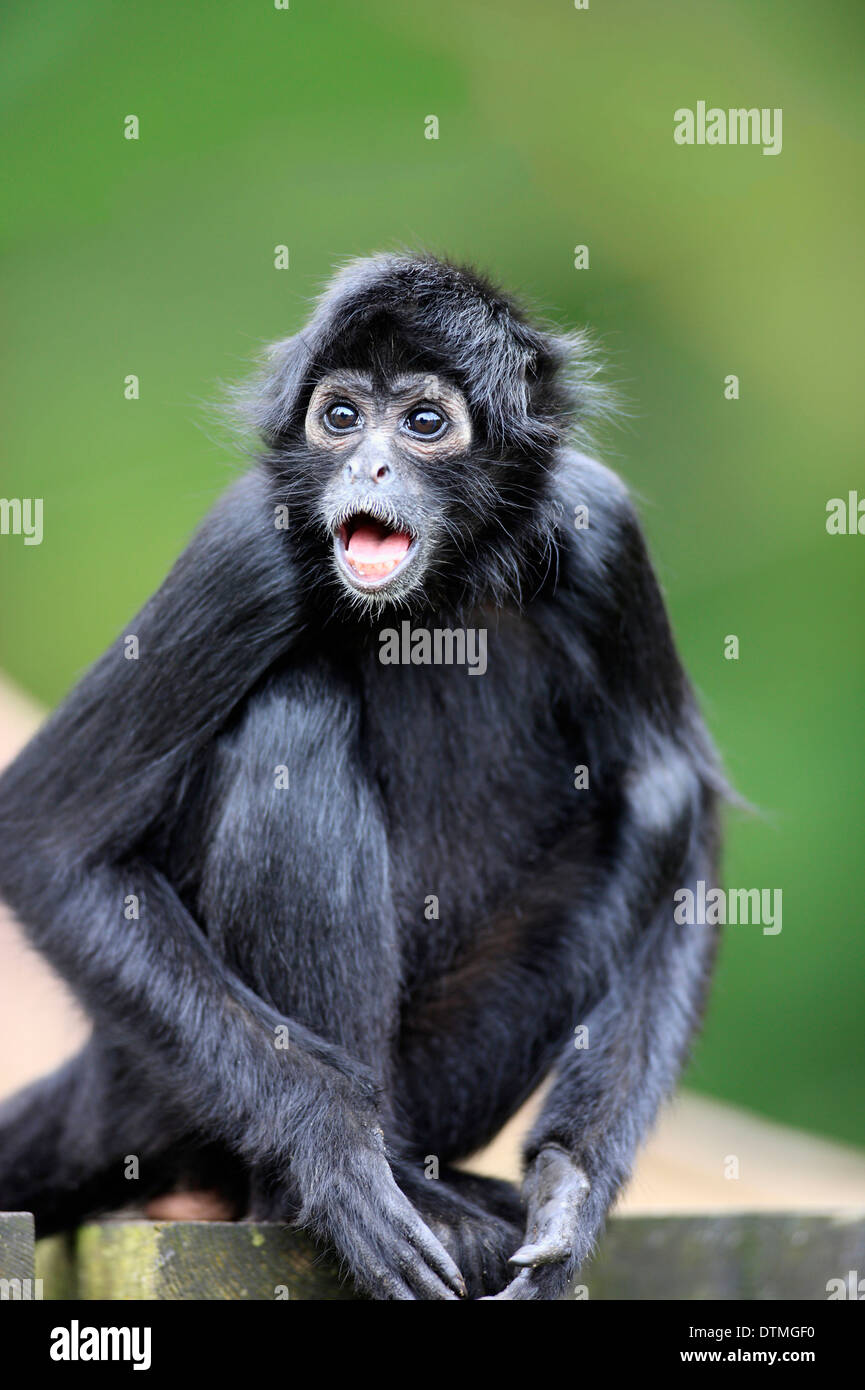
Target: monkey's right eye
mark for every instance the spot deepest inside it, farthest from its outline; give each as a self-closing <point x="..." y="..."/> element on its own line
<point x="341" y="416"/>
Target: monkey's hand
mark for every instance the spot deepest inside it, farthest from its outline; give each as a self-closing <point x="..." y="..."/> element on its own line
<point x="472" y="1218"/>
<point x="555" y="1191"/>
<point x="351" y="1202"/>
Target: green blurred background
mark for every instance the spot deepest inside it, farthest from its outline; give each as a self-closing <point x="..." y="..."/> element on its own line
<point x="306" y="127"/>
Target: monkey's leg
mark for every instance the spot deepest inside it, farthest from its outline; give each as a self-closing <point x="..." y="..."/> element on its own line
<point x="478" y="1043"/>
<point x="469" y="1054"/>
<point x="457" y="1081"/>
<point x="83" y="1140"/>
<point x="307" y="912"/>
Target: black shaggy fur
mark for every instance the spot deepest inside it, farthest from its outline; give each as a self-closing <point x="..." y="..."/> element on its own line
<point x="408" y="1036"/>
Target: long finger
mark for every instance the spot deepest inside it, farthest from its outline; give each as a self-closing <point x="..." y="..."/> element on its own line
<point x="378" y="1276"/>
<point x="420" y="1276"/>
<point x="432" y="1250"/>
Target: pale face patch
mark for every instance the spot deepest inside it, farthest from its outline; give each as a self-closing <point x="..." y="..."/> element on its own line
<point x="383" y="439"/>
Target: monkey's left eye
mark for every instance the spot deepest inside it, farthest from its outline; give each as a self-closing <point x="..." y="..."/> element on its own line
<point x="342" y="415"/>
<point x="425" y="420"/>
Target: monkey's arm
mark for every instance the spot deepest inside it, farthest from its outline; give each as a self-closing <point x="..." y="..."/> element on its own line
<point x="77" y="807"/>
<point x="648" y="756"/>
<point x="606" y="1093"/>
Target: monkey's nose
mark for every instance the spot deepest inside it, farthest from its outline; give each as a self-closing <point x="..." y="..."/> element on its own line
<point x="372" y="470"/>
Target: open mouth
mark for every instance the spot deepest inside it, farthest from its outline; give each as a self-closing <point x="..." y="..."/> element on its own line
<point x="372" y="551"/>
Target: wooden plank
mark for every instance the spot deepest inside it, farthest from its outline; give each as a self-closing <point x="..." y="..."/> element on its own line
<point x="17" y="1271"/>
<point x="56" y="1265"/>
<point x="746" y="1256"/>
<point x="202" y="1260"/>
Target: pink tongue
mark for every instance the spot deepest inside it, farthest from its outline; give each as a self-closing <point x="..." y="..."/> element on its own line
<point x="371" y="545"/>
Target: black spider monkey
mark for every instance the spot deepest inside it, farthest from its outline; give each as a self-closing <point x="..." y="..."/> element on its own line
<point x="332" y="916"/>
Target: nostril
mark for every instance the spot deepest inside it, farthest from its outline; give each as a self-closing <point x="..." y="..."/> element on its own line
<point x="382" y="472"/>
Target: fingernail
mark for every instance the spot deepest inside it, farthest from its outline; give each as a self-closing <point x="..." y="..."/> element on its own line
<point x="526" y="1255"/>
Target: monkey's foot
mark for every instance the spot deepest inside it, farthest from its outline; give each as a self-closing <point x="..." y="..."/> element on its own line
<point x="191" y="1206"/>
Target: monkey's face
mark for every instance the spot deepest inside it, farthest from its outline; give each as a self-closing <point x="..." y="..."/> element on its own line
<point x="390" y="450"/>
